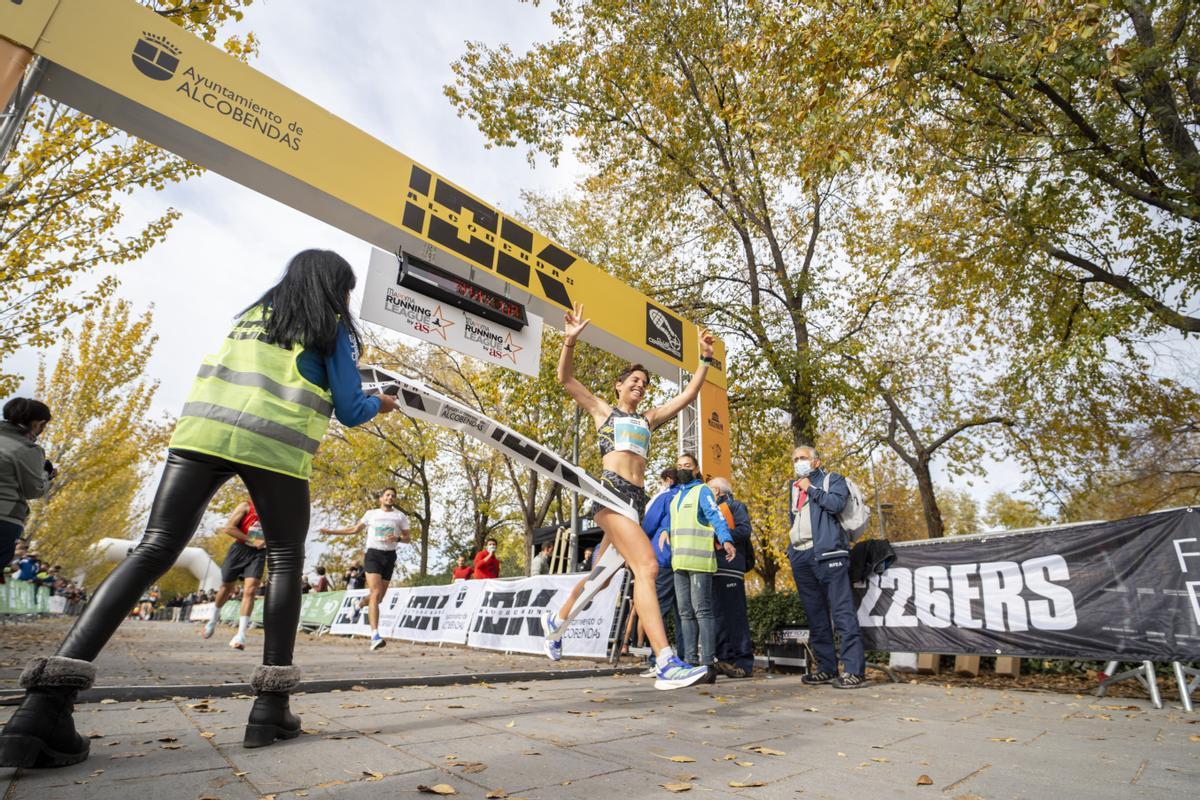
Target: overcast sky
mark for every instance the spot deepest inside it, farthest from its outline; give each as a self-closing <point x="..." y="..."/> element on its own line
<point x="380" y="65"/>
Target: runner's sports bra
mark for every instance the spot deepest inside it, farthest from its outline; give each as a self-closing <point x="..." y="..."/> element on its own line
<point x="623" y="432"/>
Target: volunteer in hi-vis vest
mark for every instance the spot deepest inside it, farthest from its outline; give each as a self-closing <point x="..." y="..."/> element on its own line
<point x="695" y="520"/>
<point x="257" y="411"/>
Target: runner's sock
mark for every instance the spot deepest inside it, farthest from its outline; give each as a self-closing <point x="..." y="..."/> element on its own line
<point x="243" y="624"/>
<point x="374" y="632"/>
<point x="664" y="656"/>
<point x="216" y="614"/>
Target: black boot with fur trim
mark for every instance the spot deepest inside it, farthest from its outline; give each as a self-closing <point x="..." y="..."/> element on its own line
<point x="42" y="732"/>
<point x="271" y="718"/>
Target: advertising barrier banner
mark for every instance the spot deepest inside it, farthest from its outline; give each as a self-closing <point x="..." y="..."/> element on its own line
<point x="509" y="615"/>
<point x="317" y="609"/>
<point x="439" y="613"/>
<point x="351" y="617"/>
<point x="1125" y="590"/>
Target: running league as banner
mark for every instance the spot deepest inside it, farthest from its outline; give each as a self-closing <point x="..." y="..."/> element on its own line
<point x="1126" y="591"/>
<point x="387" y="303"/>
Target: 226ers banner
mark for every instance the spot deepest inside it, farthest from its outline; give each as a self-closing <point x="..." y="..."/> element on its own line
<point x="509" y="616"/>
<point x="1127" y="591"/>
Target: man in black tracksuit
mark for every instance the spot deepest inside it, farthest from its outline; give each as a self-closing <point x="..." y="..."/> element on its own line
<point x="735" y="652"/>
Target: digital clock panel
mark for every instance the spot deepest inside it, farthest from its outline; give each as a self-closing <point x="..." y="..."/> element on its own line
<point x="424" y="278"/>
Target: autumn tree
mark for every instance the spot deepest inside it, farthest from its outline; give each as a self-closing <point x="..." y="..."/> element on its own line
<point x="62" y="191"/>
<point x="699" y="118"/>
<point x="1011" y="513"/>
<point x="103" y="439"/>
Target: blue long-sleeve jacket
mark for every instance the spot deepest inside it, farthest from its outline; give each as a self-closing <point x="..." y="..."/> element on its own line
<point x="657" y="520"/>
<point x="707" y="506"/>
<point x="829" y="539"/>
<point x="338" y="372"/>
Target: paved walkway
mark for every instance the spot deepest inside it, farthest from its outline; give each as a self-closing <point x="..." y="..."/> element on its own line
<point x="616" y="737"/>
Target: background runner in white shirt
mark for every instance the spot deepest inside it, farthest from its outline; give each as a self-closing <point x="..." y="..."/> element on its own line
<point x="386" y="527"/>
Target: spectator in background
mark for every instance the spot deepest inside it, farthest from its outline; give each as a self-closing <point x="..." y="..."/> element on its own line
<point x="355" y="577"/>
<point x="585" y="563"/>
<point x="322" y="582"/>
<point x="25" y="474"/>
<point x="29" y="567"/>
<point x="819" y="552"/>
<point x="487" y="565"/>
<point x="541" y="562"/>
<point x="657" y="525"/>
<point x="462" y="570"/>
<point x="735" y="652"/>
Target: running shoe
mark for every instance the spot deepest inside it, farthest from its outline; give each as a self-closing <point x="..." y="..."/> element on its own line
<point x="552" y="644"/>
<point x="210" y="628"/>
<point x="238" y="642"/>
<point x="377" y="642"/>
<point x="675" y="674"/>
<point x="817" y="678"/>
<point x="651" y="672"/>
<point x="849" y="682"/>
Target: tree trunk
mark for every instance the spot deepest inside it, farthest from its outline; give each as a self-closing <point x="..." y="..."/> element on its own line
<point x="934" y="526"/>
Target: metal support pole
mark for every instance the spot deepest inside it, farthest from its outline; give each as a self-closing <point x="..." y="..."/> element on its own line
<point x="1186" y="687"/>
<point x="573" y="549"/>
<point x="878" y="504"/>
<point x="14" y="113"/>
<point x="1144" y="674"/>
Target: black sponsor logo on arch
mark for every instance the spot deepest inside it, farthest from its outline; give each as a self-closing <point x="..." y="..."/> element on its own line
<point x="483" y="236"/>
<point x="714" y="421"/>
<point x="155" y="57"/>
<point x="664" y="331"/>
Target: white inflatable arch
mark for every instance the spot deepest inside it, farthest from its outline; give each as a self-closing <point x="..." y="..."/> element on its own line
<point x="194" y="559"/>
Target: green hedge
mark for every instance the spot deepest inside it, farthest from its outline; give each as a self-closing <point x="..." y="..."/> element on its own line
<point x="769" y="610"/>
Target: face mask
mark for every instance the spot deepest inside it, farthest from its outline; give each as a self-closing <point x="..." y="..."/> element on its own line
<point x="684" y="476"/>
<point x="803" y="468"/>
<point x="491" y="548"/>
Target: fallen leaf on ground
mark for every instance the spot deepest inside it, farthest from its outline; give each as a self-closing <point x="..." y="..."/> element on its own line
<point x="373" y="776"/>
<point x="336" y="736"/>
<point x="496" y="794"/>
<point x="240" y="774"/>
<point x="172" y="747"/>
<point x="1194" y="738"/>
<point x="358" y="688"/>
<point x="167" y="739"/>
<point x="766" y="751"/>
<point x="841" y="755"/>
<point x="910" y="719"/>
<point x="327" y="784"/>
<point x="746" y="784"/>
<point x="744" y="763"/>
<point x="677" y="759"/>
<point x="1001" y="739"/>
<point x="207" y="734"/>
<point x="882" y="760"/>
<point x="126" y="755"/>
<point x="676" y="787"/>
<point x="355" y="705"/>
<point x="469" y="766"/>
<point x="844" y="719"/>
<point x="95" y="735"/>
<point x="107" y="701"/>
<point x="924" y="780"/>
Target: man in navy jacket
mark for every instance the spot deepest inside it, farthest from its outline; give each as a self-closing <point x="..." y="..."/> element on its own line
<point x="818" y="550"/>
<point x="657" y="525"/>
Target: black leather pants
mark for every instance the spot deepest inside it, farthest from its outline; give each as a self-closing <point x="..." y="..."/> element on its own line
<point x="188" y="484"/>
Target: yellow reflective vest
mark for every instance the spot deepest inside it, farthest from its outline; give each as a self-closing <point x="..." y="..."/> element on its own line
<point x="249" y="404"/>
<point x="691" y="537"/>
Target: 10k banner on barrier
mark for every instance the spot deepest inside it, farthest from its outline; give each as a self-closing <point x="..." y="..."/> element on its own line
<point x="1127" y="590"/>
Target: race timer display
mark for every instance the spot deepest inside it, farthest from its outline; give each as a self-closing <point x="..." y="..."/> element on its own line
<point x="426" y="279"/>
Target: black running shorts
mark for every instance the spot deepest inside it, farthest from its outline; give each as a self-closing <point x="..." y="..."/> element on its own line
<point x="243" y="561"/>
<point x="380" y="562"/>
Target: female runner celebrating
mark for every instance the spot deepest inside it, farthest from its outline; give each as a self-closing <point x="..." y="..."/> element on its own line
<point x="624" y="445"/>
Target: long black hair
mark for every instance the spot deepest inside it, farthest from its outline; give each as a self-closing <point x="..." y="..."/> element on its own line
<point x="24" y="410"/>
<point x="310" y="300"/>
